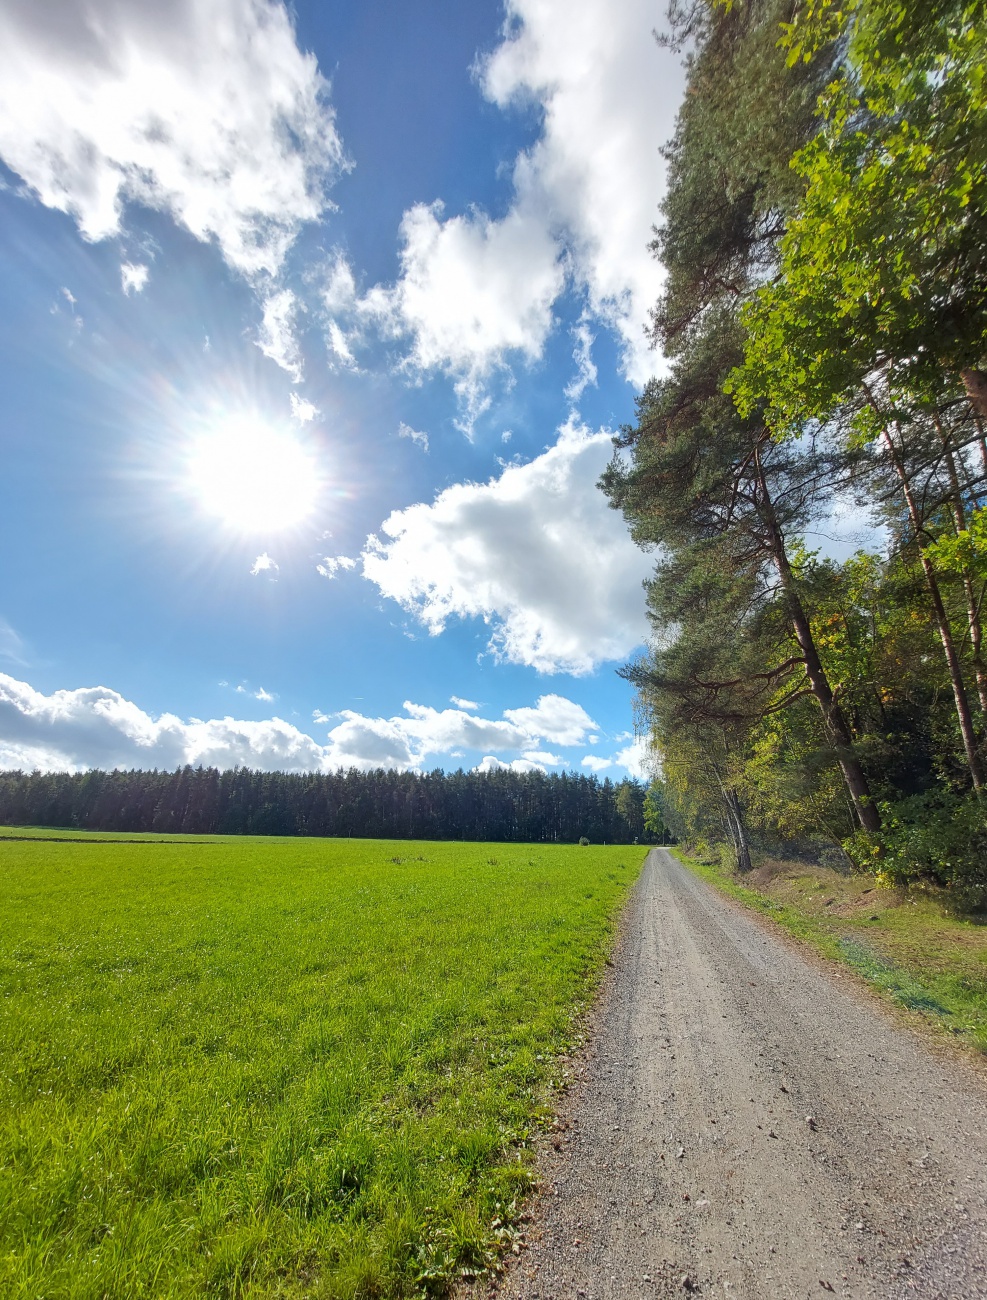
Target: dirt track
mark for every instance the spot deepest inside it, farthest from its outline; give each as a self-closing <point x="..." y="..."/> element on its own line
<point x="747" y="1125"/>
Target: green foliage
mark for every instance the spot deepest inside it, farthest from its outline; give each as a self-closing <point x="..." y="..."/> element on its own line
<point x="285" y="1067"/>
<point x="655" y="825"/>
<point x="824" y="238"/>
<point x="520" y="807"/>
<point x="963" y="551"/>
<point x="937" y="840"/>
<point x="884" y="267"/>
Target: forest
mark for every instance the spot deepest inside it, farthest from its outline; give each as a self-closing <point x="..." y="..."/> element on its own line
<point x="520" y="807"/>
<point x="824" y="320"/>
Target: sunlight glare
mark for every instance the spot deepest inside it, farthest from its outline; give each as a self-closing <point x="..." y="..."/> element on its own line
<point x="253" y="476"/>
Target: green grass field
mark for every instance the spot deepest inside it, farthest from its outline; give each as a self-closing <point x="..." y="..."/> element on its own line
<point x="281" y="1067"/>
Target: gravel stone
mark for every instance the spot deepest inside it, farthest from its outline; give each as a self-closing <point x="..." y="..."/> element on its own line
<point x="712" y="1035"/>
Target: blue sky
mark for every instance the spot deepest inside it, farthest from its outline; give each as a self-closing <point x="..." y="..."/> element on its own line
<point x="315" y="325"/>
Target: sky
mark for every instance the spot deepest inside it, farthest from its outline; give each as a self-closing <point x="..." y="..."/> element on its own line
<point x="316" y="325"/>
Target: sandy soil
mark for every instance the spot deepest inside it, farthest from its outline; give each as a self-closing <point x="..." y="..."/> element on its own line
<point x="747" y="1124"/>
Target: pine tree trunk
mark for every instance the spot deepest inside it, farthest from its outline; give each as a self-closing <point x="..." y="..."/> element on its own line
<point x="973" y="612"/>
<point x="963" y="714"/>
<point x="834" y="722"/>
<point x="975" y="383"/>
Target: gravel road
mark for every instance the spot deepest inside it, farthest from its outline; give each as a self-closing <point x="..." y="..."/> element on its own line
<point x="746" y="1124"/>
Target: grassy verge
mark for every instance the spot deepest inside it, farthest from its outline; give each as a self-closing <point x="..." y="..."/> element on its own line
<point x="289" y="1067"/>
<point x="902" y="944"/>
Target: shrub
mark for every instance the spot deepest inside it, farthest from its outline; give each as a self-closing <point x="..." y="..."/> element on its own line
<point x="935" y="840"/>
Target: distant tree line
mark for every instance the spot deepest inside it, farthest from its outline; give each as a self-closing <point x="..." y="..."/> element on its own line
<point x="824" y="317"/>
<point x="525" y="807"/>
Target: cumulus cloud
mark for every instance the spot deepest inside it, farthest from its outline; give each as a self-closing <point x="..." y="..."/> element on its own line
<point x="96" y="727"/>
<point x="463" y="704"/>
<point x="408" y="740"/>
<point x="638" y="758"/>
<point x="492" y="764"/>
<point x="204" y="109"/>
<point x="553" y="718"/>
<point x="608" y="97"/>
<point x="264" y="564"/>
<point x="133" y="277"/>
<point x="536" y="553"/>
<point x="419" y="438"/>
<point x="474" y="292"/>
<point x="331" y="565"/>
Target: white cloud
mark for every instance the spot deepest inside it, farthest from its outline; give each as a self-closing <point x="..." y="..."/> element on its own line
<point x="492" y="764"/>
<point x="407" y="741"/>
<point x="472" y="290"/>
<point x="419" y="438"/>
<point x="553" y="718"/>
<point x="133" y="277"/>
<point x="331" y="565"/>
<point x="207" y="111"/>
<point x="536" y="553"/>
<point x="260" y="694"/>
<point x="339" y="347"/>
<point x="582" y="354"/>
<point x="277" y="338"/>
<point x="72" y="301"/>
<point x="472" y="293"/>
<point x="13" y="647"/>
<point x="303" y="410"/>
<point x="264" y="564"/>
<point x="463" y="704"/>
<point x="638" y="758"/>
<point x="475" y="292"/>
<point x="97" y="727"/>
<point x="608" y="96"/>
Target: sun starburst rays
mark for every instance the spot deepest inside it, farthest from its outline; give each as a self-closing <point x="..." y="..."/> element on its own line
<point x="253" y="476"/>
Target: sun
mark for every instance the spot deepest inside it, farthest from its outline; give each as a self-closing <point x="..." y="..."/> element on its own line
<point x="253" y="476"/>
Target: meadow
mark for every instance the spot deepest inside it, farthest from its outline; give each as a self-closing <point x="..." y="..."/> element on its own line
<point x="281" y="1067"/>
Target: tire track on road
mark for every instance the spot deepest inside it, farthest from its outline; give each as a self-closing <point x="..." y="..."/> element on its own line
<point x="747" y="1126"/>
